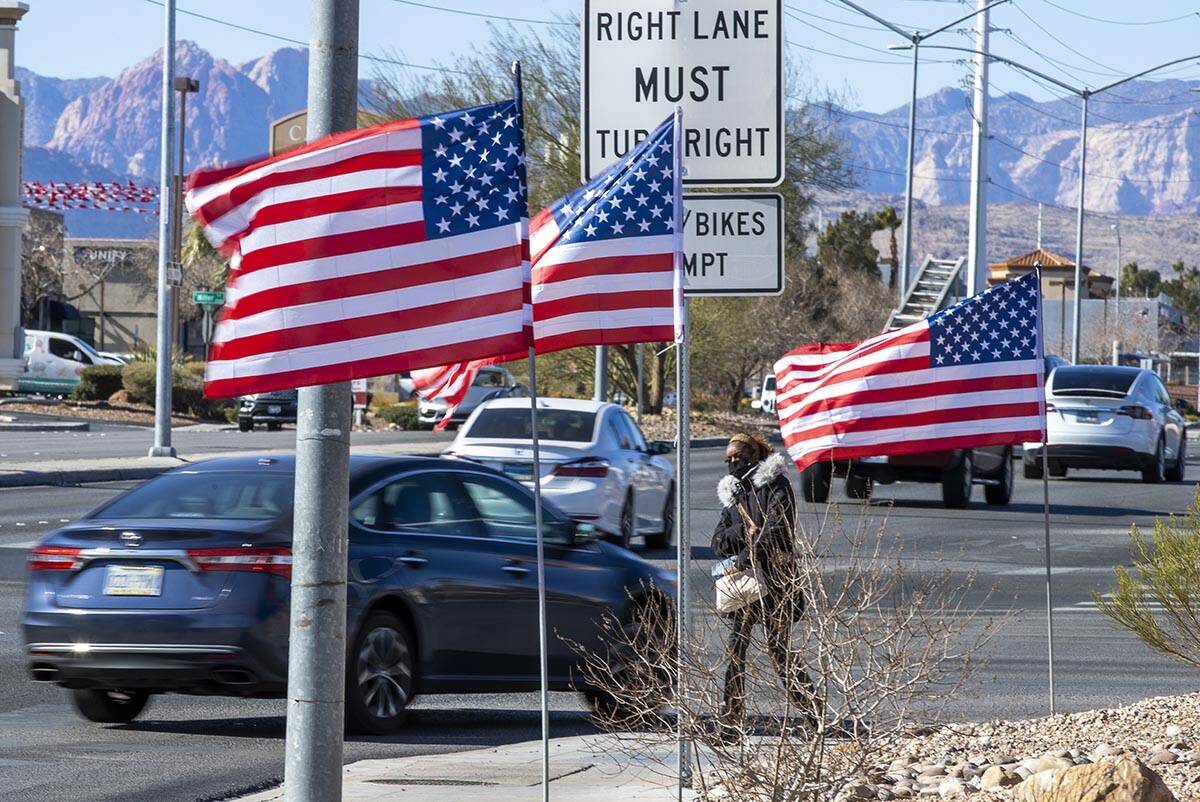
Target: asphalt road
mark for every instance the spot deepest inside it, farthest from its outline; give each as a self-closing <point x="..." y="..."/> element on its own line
<point x="119" y="440"/>
<point x="199" y="748"/>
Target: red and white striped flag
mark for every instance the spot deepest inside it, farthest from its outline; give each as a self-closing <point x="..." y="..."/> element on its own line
<point x="604" y="267"/>
<point x="968" y="376"/>
<point x="376" y="251"/>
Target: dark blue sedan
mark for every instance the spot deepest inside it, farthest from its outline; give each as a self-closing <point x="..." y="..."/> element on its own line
<point x="182" y="585"/>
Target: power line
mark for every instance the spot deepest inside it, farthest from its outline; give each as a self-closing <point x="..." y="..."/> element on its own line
<point x="877" y="121"/>
<point x="874" y="28"/>
<point x="1075" y="169"/>
<point x="1081" y="15"/>
<point x="1084" y="56"/>
<point x="501" y="17"/>
<point x="858" y="59"/>
<point x="842" y="38"/>
<point x="302" y="43"/>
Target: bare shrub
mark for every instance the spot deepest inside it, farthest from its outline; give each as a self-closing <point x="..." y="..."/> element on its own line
<point x="883" y="644"/>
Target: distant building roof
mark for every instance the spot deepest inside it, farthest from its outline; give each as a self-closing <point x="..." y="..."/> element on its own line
<point x="1038" y="257"/>
<point x="1096" y="285"/>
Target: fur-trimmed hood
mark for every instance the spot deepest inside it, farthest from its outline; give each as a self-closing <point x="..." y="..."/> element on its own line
<point x="764" y="473"/>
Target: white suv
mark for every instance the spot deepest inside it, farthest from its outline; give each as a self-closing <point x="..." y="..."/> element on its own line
<point x="1110" y="418"/>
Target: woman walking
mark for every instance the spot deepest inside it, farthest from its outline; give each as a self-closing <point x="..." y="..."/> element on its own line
<point x="756" y="534"/>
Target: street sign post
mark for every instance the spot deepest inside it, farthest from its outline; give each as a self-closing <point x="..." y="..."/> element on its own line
<point x="209" y="298"/>
<point x="733" y="243"/>
<point x="721" y="61"/>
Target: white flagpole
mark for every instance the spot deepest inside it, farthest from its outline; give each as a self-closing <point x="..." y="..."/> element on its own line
<point x="682" y="460"/>
<point x="1045" y="492"/>
<point x="544" y="666"/>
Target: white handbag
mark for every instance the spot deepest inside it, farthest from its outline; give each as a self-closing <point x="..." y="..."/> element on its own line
<point x="738" y="590"/>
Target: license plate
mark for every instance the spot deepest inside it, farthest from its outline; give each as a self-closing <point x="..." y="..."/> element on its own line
<point x="521" y="471"/>
<point x="274" y="409"/>
<point x="133" y="580"/>
<point x="1087" y="417"/>
<point x="874" y="460"/>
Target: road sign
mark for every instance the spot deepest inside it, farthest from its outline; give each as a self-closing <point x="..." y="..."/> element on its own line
<point x="721" y="60"/>
<point x="733" y="243"/>
<point x="206" y="298"/>
<point x="291" y="131"/>
<point x="358" y="388"/>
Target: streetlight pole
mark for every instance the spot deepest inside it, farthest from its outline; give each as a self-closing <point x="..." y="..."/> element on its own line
<point x="162" y="392"/>
<point x="915" y="39"/>
<point x="183" y="85"/>
<point x="1117" y="285"/>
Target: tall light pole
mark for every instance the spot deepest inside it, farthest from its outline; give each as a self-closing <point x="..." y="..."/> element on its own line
<point x="166" y="200"/>
<point x="1084" y="94"/>
<point x="1117" y="285"/>
<point x="183" y="85"/>
<point x="977" y="238"/>
<point x="915" y="39"/>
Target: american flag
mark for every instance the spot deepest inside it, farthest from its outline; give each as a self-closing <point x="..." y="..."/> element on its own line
<point x="604" y="268"/>
<point x="968" y="376"/>
<point x="386" y="249"/>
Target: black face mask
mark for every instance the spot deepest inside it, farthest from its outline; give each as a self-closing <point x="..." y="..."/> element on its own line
<point x="739" y="467"/>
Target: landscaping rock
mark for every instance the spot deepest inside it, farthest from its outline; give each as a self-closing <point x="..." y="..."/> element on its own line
<point x="1163" y="757"/>
<point x="998" y="777"/>
<point x="1119" y="780"/>
<point x="951" y="788"/>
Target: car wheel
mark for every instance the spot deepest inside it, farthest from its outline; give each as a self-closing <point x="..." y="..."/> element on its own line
<point x="815" y="481"/>
<point x="274" y="427"/>
<point x="1033" y="466"/>
<point x="662" y="540"/>
<point x="1177" y="470"/>
<point x="1155" y="470"/>
<point x="956" y="484"/>
<point x="625" y="537"/>
<point x="641" y="665"/>
<point x="859" y="487"/>
<point x="245" y="424"/>
<point x="380" y="674"/>
<point x="1000" y="493"/>
<point x="109" y="706"/>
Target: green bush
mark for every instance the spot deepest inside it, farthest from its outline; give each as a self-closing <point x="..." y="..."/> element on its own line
<point x="403" y="415"/>
<point x="138" y="380"/>
<point x="98" y="382"/>
<point x="187" y="390"/>
<point x="194" y="369"/>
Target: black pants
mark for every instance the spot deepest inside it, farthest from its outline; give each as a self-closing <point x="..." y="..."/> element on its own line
<point x="777" y="620"/>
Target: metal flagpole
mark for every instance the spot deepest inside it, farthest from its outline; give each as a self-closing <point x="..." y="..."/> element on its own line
<point x="641" y="380"/>
<point x="544" y="665"/>
<point x="682" y="465"/>
<point x="317" y="634"/>
<point x="166" y="195"/>
<point x="1045" y="491"/>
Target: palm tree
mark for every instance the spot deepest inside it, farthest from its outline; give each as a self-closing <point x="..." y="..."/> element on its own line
<point x="887" y="218"/>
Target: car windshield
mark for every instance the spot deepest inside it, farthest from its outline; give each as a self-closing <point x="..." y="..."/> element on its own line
<point x="240" y="496"/>
<point x="770" y="383"/>
<point x="489" y="378"/>
<point x="512" y="423"/>
<point x="1093" y="380"/>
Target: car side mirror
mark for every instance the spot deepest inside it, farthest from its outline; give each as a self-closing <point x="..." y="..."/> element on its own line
<point x="1181" y="403"/>
<point x="659" y="447"/>
<point x="585" y="534"/>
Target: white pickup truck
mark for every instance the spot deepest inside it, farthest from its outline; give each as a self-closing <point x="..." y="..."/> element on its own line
<point x="54" y="361"/>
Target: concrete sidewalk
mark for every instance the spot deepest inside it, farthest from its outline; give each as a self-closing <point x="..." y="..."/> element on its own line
<point x="115" y="469"/>
<point x="592" y="768"/>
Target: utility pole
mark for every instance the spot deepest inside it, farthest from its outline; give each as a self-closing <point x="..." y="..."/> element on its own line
<point x="977" y="245"/>
<point x="1078" y="305"/>
<point x="1117" y="283"/>
<point x="317" y="634"/>
<point x="166" y="197"/>
<point x="183" y="85"/>
<point x="1039" y="228"/>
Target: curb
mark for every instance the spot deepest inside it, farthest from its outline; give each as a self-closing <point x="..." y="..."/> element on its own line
<point x="80" y="476"/>
<point x="49" y="426"/>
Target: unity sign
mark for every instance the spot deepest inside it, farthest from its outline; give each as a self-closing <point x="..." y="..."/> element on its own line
<point x="721" y="60"/>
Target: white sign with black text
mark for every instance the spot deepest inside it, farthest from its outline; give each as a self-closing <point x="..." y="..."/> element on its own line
<point x="733" y="243"/>
<point x="721" y="60"/>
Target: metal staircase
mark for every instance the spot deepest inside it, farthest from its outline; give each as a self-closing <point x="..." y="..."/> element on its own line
<point x="935" y="287"/>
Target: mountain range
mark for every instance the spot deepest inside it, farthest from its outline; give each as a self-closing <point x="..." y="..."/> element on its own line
<point x="1143" y="146"/>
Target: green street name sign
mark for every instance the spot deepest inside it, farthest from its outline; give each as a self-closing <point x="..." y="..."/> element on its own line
<point x="206" y="298"/>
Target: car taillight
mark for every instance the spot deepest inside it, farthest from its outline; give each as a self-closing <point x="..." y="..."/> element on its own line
<point x="275" y="561"/>
<point x="54" y="558"/>
<point x="592" y="467"/>
<point x="1136" y="412"/>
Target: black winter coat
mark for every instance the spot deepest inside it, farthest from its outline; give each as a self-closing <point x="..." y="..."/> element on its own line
<point x="758" y="517"/>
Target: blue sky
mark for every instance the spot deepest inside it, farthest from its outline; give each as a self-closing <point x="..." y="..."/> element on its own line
<point x="74" y="38"/>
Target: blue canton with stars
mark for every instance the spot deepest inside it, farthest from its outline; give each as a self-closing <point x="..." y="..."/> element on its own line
<point x="998" y="325"/>
<point x="473" y="169"/>
<point x="632" y="198"/>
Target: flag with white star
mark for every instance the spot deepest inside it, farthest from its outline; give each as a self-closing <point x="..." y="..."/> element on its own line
<point x="391" y="248"/>
<point x="604" y="266"/>
<point x="968" y="376"/>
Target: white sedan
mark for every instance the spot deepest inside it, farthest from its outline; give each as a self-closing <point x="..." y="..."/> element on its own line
<point x="1110" y="417"/>
<point x="595" y="464"/>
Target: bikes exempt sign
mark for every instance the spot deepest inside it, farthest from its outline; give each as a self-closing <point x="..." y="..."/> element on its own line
<point x="721" y="60"/>
<point x="733" y="243"/>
